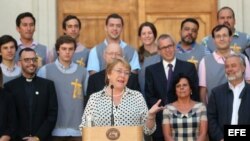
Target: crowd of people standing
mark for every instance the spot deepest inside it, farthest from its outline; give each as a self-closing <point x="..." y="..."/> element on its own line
<point x="176" y="91"/>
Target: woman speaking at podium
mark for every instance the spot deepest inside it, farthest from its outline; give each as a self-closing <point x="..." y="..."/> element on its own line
<point x="117" y="105"/>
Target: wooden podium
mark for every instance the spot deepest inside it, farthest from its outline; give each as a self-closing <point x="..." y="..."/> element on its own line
<point x="113" y="133"/>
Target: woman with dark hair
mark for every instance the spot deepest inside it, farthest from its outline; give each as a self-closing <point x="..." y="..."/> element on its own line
<point x="147" y="34"/>
<point x="184" y="119"/>
<point x="6" y="114"/>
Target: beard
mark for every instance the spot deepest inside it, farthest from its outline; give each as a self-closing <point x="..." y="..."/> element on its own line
<point x="236" y="76"/>
<point x="187" y="41"/>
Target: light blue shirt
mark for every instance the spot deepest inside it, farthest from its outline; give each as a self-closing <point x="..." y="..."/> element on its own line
<point x="93" y="62"/>
<point x="9" y="72"/>
<point x="71" y="69"/>
<point x="33" y="45"/>
<point x="240" y="39"/>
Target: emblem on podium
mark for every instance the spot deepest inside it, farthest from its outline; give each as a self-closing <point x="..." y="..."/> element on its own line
<point x="113" y="134"/>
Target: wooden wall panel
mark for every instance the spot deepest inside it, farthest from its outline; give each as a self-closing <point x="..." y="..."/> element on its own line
<point x="170" y="23"/>
<point x="93" y="13"/>
<point x="166" y="14"/>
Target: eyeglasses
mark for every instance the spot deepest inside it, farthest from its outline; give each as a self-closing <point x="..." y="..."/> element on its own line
<point x="28" y="60"/>
<point x="166" y="47"/>
<point x="113" y="54"/>
<point x="120" y="72"/>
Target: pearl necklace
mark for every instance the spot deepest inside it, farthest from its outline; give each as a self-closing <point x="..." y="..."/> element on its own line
<point x="117" y="95"/>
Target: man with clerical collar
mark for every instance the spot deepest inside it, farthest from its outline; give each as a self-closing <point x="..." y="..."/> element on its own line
<point x="34" y="99"/>
<point x="8" y="48"/>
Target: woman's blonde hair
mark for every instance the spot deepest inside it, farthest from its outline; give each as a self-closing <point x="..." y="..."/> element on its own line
<point x="111" y="66"/>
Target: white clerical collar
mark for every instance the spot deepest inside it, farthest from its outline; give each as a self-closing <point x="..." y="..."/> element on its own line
<point x="30" y="79"/>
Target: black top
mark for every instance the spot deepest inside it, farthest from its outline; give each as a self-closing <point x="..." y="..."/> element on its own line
<point x="35" y="105"/>
<point x="6" y="114"/>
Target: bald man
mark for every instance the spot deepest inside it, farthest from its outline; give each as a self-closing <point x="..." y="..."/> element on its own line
<point x="96" y="81"/>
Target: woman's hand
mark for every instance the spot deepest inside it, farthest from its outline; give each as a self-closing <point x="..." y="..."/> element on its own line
<point x="150" y="122"/>
<point x="155" y="109"/>
<point x="5" y="138"/>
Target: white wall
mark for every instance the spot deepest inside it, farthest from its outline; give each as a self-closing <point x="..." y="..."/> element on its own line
<point x="45" y="13"/>
<point x="241" y="9"/>
<point x="8" y="12"/>
<point x="246" y="17"/>
<point x="43" y="10"/>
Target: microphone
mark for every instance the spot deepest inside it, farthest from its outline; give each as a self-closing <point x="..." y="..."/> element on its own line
<point x="112" y="105"/>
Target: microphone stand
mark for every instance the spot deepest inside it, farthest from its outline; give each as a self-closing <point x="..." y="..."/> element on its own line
<point x="112" y="101"/>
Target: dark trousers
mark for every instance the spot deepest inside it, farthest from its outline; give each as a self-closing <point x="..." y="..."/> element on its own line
<point x="67" y="138"/>
<point x="147" y="138"/>
<point x="158" y="139"/>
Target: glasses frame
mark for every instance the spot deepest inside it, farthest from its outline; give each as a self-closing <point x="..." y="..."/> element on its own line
<point x="28" y="60"/>
<point x="120" y="72"/>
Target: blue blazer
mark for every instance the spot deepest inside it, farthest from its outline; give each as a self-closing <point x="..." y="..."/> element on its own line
<point x="220" y="108"/>
<point x="156" y="86"/>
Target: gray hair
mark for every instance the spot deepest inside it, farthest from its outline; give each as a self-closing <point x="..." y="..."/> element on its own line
<point x="240" y="56"/>
<point x="165" y="36"/>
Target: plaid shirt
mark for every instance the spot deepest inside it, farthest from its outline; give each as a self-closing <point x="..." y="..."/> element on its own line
<point x="185" y="127"/>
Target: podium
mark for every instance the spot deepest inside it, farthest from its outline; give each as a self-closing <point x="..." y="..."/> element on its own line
<point x="113" y="133"/>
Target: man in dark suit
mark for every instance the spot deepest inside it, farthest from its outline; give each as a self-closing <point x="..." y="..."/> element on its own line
<point x="96" y="81"/>
<point x="159" y="79"/>
<point x="141" y="75"/>
<point x="34" y="99"/>
<point x="229" y="103"/>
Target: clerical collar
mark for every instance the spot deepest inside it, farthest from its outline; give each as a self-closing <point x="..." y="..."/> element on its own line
<point x="29" y="79"/>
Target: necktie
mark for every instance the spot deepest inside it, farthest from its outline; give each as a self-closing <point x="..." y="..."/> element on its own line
<point x="170" y="76"/>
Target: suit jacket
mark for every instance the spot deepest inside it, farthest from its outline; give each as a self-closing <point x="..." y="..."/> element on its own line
<point x="44" y="107"/>
<point x="147" y="62"/>
<point x="96" y="83"/>
<point x="156" y="86"/>
<point x="7" y="116"/>
<point x="220" y="108"/>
